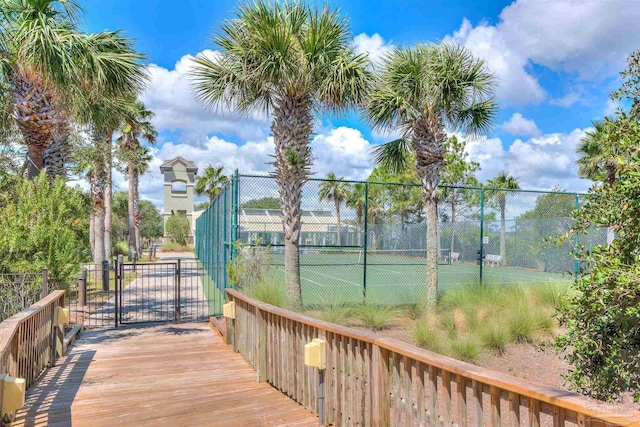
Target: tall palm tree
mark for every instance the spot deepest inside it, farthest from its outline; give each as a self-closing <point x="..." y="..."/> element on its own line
<point x="333" y="189"/>
<point x="137" y="126"/>
<point x="425" y="91"/>
<point x="507" y="182"/>
<point x="290" y="60"/>
<point x="211" y="182"/>
<point x="356" y="200"/>
<point x="48" y="60"/>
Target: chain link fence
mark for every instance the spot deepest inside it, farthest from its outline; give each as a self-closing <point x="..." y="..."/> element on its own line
<point x="370" y="244"/>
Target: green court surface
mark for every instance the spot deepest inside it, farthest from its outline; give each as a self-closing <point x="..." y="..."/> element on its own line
<point x="394" y="283"/>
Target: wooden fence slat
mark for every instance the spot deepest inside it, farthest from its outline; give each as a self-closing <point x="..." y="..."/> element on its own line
<point x="461" y="401"/>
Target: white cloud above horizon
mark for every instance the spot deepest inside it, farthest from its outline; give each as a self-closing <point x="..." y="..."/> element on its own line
<point x="519" y="126"/>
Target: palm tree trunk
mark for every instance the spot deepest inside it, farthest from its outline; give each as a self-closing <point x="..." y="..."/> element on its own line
<point x="97" y="200"/>
<point x="108" y="195"/>
<point x="92" y="235"/>
<point x="338" y="223"/>
<point x="136" y="213"/>
<point x="428" y="144"/>
<point x="35" y="154"/>
<point x="131" y="211"/>
<point x="503" y="230"/>
<point x="291" y="128"/>
<point x="359" y="223"/>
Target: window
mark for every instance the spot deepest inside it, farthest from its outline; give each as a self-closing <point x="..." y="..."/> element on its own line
<point x="179" y="187"/>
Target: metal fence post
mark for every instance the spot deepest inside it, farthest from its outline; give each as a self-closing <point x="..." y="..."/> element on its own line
<point x="45" y="283"/>
<point x="82" y="288"/>
<point x="178" y="302"/>
<point x="105" y="276"/>
<point x="481" y="251"/>
<point x="365" y="241"/>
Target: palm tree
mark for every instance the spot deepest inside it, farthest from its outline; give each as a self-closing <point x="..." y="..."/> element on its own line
<point x="596" y="161"/>
<point x="423" y="91"/>
<point x="506" y="182"/>
<point x="48" y="62"/>
<point x="356" y="200"/>
<point x="333" y="189"/>
<point x="211" y="182"/>
<point x="136" y="126"/>
<point x="290" y="60"/>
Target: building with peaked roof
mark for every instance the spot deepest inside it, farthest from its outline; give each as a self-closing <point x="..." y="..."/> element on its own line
<point x="179" y="190"/>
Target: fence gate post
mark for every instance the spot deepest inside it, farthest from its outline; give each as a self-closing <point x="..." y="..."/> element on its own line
<point x="82" y="288"/>
<point x="365" y="241"/>
<point x="45" y="283"/>
<point x="481" y="251"/>
<point x="177" y="293"/>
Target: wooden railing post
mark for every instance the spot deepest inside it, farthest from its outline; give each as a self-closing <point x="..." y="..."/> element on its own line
<point x="380" y="369"/>
<point x="261" y="366"/>
<point x="45" y="283"/>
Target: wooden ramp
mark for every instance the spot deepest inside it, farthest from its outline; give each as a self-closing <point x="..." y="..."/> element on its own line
<point x="168" y="375"/>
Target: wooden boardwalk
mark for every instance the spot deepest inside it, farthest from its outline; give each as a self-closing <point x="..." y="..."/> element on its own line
<point x="167" y="375"/>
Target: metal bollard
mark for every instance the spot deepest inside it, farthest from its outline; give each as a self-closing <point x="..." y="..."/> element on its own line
<point x="105" y="275"/>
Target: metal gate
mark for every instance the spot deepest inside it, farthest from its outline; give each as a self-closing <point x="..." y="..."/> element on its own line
<point x="161" y="292"/>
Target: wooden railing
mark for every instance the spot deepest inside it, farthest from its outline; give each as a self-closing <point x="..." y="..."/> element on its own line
<point x="29" y="341"/>
<point x="375" y="381"/>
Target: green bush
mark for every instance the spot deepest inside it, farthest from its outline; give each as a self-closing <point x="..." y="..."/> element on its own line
<point x="177" y="229"/>
<point x="375" y="317"/>
<point x="43" y="224"/>
<point x="121" y="248"/>
<point x="336" y="313"/>
<point x="494" y="336"/>
<point x="466" y="348"/>
<point x="268" y="291"/>
<point x="429" y="339"/>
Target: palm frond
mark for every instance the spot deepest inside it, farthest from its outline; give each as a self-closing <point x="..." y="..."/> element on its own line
<point x="392" y="156"/>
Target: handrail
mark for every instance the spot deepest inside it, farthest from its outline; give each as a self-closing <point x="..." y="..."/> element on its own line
<point x="30" y="341"/>
<point x="372" y="380"/>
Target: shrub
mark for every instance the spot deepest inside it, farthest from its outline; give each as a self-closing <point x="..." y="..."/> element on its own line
<point x="466" y="348"/>
<point x="177" y="229"/>
<point x="336" y="313"/>
<point x="522" y="323"/>
<point x="375" y="317"/>
<point x="494" y="336"/>
<point x="428" y="338"/>
<point x="250" y="266"/>
<point x="121" y="248"/>
<point x="175" y="247"/>
<point x="270" y="291"/>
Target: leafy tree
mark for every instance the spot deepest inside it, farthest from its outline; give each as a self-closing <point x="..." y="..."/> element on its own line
<point x="290" y="60"/>
<point x="630" y="89"/>
<point x="43" y="225"/>
<point x="498" y="198"/>
<point x="603" y="320"/>
<point x="211" y="182"/>
<point x="421" y="91"/>
<point x="356" y="200"/>
<point x="137" y="126"/>
<point x="47" y="62"/>
<point x="263" y="203"/>
<point x="333" y="189"/>
<point x="177" y="229"/>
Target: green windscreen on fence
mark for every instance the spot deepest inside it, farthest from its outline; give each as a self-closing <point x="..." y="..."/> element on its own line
<point x="371" y="246"/>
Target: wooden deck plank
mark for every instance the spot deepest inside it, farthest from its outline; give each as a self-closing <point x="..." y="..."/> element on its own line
<point x="159" y="375"/>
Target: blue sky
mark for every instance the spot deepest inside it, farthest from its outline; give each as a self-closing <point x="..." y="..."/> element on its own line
<point x="556" y="61"/>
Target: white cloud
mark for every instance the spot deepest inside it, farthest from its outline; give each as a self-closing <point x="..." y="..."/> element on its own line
<point x="170" y="97"/>
<point x="540" y="163"/>
<point x="518" y="125"/>
<point x="587" y="37"/>
<point x="566" y="101"/>
<point x="374" y="45"/>
<point x="611" y="107"/>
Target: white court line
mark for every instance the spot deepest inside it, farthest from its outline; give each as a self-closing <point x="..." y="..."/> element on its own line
<point x="384" y="269"/>
<point x="304" y="278"/>
<point x="331" y="277"/>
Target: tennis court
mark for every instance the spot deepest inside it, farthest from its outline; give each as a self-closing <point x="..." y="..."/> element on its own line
<point x="392" y="277"/>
